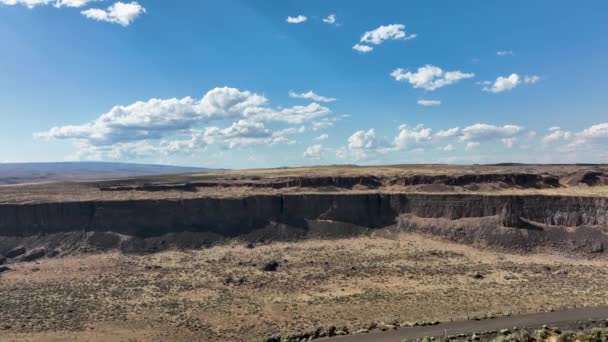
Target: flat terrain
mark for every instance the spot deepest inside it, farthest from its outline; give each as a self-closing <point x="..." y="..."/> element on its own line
<point x="224" y="294"/>
<point x="240" y="183"/>
<point x="19" y="173"/>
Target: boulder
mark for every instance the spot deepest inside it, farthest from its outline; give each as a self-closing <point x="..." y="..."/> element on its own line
<point x="271" y="266"/>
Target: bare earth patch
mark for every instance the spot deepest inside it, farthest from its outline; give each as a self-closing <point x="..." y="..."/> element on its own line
<point x="223" y="293"/>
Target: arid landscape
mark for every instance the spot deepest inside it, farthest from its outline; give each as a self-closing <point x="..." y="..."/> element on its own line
<point x="295" y="254"/>
<point x="295" y="171"/>
<point x="224" y="294"/>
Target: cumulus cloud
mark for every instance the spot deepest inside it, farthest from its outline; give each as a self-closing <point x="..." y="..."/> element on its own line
<point x="324" y="123"/>
<point x="507" y="83"/>
<point x="381" y="34"/>
<point x="484" y="132"/>
<point x="166" y="121"/>
<point x="448" y="133"/>
<point x="503" y="53"/>
<point x="588" y="143"/>
<point x="296" y="20"/>
<point x="119" y="13"/>
<point x="599" y="131"/>
<point x="330" y="19"/>
<point x="386" y="32"/>
<point x="429" y="103"/>
<point x="412" y="137"/>
<point x="531" y="79"/>
<point x="416" y="139"/>
<point x="593" y="136"/>
<point x="363" y="140"/>
<point x="472" y="145"/>
<point x="322" y="137"/>
<point x="509" y="142"/>
<point x="359" y="145"/>
<point x="56" y="3"/>
<point x="430" y="77"/>
<point x="313" y="152"/>
<point x="362" y="48"/>
<point x="27" y="3"/>
<point x="311" y="96"/>
<point x="72" y="3"/>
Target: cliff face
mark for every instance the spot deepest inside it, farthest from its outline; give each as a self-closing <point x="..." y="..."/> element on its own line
<point x="514" y="222"/>
<point x="232" y="217"/>
<point x="522" y="180"/>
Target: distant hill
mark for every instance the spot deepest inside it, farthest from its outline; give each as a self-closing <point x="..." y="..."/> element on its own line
<point x="16" y="173"/>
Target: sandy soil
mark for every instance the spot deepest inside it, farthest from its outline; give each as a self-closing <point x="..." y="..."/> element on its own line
<point x="223" y="293"/>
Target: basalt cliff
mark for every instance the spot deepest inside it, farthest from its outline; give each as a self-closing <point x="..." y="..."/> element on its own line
<point x="512" y="209"/>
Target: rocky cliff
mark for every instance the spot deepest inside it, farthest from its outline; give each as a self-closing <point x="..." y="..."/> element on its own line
<point x="233" y="217"/>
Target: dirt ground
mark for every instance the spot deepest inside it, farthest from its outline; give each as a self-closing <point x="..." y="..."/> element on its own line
<point x="224" y="294"/>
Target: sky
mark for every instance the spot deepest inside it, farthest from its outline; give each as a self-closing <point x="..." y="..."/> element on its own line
<point x="269" y="83"/>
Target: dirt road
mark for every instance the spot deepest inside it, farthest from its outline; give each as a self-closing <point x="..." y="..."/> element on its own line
<point x="566" y="319"/>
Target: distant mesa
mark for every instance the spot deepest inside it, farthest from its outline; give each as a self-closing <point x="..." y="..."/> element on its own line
<point x="18" y="173"/>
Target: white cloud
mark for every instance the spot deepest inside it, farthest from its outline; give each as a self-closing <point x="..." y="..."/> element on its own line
<point x="296" y="20"/>
<point x="362" y="48"/>
<point x="363" y="140"/>
<point x="166" y="121"/>
<point x="472" y="145"/>
<point x="330" y="19"/>
<point x="429" y="103"/>
<point x="322" y="137"/>
<point x="503" y="53"/>
<point x="311" y="95"/>
<point x="531" y="79"/>
<point x="509" y="142"/>
<point x="386" y="32"/>
<point x="484" y="132"/>
<point x="599" y="131"/>
<point x="587" y="145"/>
<point x="430" y="77"/>
<point x="324" y="123"/>
<point x="508" y="83"/>
<point x="313" y="152"/>
<point x="414" y="137"/>
<point x="27" y="3"/>
<point x="448" y="133"/>
<point x="72" y="3"/>
<point x="119" y="13"/>
<point x="588" y="138"/>
<point x="503" y="84"/>
<point x="56" y="3"/>
<point x="381" y="34"/>
<point x="293" y="115"/>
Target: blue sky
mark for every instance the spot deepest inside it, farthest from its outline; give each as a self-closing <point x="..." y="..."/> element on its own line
<point x="208" y="83"/>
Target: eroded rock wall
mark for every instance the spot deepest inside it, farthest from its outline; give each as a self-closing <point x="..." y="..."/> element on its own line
<point x="235" y="216"/>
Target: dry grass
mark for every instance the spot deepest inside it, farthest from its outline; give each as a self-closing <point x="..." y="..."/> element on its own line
<point x="222" y="294"/>
<point x="89" y="190"/>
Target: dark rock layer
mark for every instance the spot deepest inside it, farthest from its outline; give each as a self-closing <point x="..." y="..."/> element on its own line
<point x="194" y="223"/>
<point x="235" y="216"/>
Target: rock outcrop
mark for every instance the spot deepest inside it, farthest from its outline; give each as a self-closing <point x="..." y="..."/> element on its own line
<point x="214" y="219"/>
<point x="521" y="180"/>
